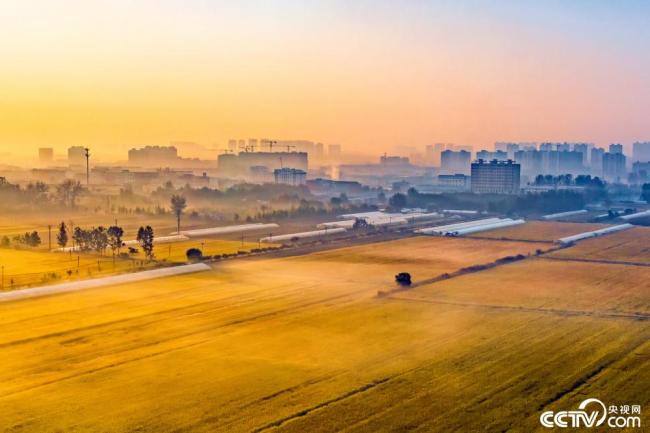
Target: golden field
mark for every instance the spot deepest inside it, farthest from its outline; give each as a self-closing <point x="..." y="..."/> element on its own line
<point x="36" y="267"/>
<point x="303" y="344"/>
<point x="539" y="231"/>
<point x="176" y="252"/>
<point x="632" y="245"/>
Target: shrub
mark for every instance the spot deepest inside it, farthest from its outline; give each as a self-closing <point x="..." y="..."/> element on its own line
<point x="194" y="254"/>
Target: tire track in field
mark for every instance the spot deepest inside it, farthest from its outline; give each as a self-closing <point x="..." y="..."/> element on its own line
<point x="588" y="376"/>
<point x="559" y="312"/>
<point x="498" y="358"/>
<point x="384" y="380"/>
<point x="305" y="412"/>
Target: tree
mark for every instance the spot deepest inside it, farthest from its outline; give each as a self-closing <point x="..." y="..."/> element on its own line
<point x="178" y="205"/>
<point x="360" y="224"/>
<point x="645" y="192"/>
<point x="78" y="237"/>
<point x="403" y="279"/>
<point x="99" y="239"/>
<point x="145" y="238"/>
<point x="69" y="191"/>
<point x="30" y="239"/>
<point x="115" y="234"/>
<point x="194" y="254"/>
<point x="62" y="236"/>
<point x="397" y="201"/>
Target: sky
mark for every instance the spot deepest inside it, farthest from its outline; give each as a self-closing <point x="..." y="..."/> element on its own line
<point x="370" y="75"/>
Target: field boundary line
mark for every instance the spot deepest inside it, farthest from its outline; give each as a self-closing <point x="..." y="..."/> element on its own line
<point x="102" y="282"/>
<point x="601" y="261"/>
<point x="560" y="312"/>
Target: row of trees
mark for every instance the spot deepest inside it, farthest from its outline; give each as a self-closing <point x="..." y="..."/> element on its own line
<point x="37" y="193"/>
<point x="99" y="239"/>
<point x="545" y="202"/>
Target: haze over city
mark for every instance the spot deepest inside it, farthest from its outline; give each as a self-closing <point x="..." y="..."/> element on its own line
<point x="301" y="216"/>
<point x="371" y="75"/>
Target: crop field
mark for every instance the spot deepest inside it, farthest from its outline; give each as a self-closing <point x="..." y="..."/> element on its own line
<point x="36" y="267"/>
<point x="176" y="251"/>
<point x="540" y="231"/>
<point x="303" y="344"/>
<point x="631" y="245"/>
<point x="580" y="288"/>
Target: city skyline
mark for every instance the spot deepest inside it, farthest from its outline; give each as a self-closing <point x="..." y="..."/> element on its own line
<point x="370" y="76"/>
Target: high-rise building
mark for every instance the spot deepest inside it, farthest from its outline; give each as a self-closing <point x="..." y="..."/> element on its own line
<point x="641" y="151"/>
<point x="45" y="155"/>
<point x="614" y="166"/>
<point x="616" y="148"/>
<point x="597" y="161"/>
<point x="153" y="156"/>
<point x="290" y="176"/>
<point x="241" y="164"/>
<point x="531" y="162"/>
<point x="334" y="151"/>
<point x="77" y="156"/>
<point x="319" y="150"/>
<point x="486" y="155"/>
<point x="455" y="162"/>
<point x="495" y="177"/>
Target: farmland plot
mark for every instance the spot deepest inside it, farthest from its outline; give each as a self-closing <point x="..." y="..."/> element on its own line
<point x="304" y="345"/>
<point x="540" y="231"/>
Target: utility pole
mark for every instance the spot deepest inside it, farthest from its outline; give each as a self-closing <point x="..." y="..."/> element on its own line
<point x="87" y="154"/>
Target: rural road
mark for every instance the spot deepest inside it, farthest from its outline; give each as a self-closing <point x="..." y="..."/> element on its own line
<point x="101" y="282"/>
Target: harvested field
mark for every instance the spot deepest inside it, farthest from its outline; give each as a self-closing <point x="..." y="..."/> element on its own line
<point x="540" y="231"/>
<point x="530" y="284"/>
<point x="303" y="344"/>
<point x="631" y="245"/>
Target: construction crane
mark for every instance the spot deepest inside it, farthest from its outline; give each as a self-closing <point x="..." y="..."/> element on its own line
<point x="271" y="143"/>
<point x="289" y="147"/>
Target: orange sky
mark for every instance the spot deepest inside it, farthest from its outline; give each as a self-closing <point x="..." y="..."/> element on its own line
<point x="116" y="74"/>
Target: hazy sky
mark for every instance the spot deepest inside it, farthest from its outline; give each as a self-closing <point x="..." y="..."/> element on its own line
<point x="367" y="74"/>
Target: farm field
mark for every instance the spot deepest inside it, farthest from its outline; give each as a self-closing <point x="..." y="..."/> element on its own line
<point x="539" y="231"/>
<point x="303" y="344"/>
<point x="590" y="288"/>
<point x="176" y="251"/>
<point x="37" y="267"/>
<point x="631" y="245"/>
<point x="34" y="267"/>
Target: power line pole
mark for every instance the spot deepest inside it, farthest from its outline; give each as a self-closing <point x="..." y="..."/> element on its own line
<point x="87" y="155"/>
